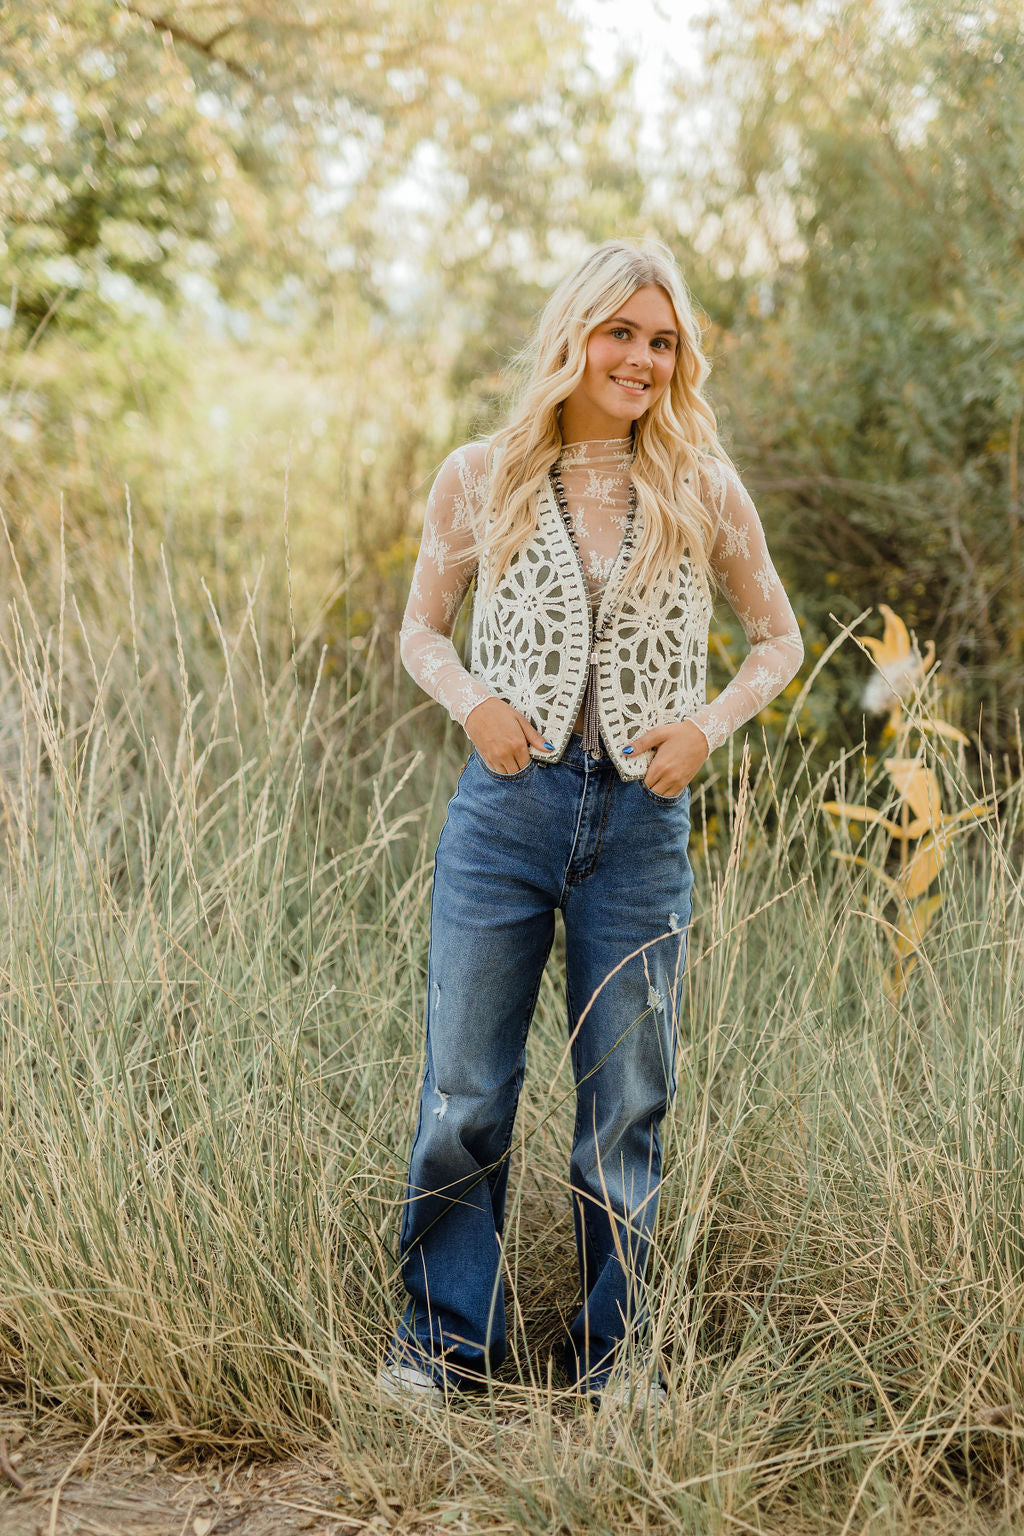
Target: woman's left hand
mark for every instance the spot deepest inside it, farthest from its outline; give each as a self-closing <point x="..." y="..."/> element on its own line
<point x="679" y="748"/>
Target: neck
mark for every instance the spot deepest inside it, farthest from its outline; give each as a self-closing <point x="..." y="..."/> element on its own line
<point x="583" y="427"/>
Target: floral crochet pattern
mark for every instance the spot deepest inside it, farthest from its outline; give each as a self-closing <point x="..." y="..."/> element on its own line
<point x="530" y="641"/>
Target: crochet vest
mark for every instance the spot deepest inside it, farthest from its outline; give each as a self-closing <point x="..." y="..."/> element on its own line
<point x="531" y="640"/>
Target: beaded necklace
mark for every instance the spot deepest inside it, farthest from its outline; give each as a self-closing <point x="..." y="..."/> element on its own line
<point x="591" y="721"/>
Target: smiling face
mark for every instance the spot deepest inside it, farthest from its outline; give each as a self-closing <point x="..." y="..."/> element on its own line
<point x="630" y="360"/>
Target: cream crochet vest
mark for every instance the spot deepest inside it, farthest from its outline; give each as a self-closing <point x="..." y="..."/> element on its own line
<point x="531" y="641"/>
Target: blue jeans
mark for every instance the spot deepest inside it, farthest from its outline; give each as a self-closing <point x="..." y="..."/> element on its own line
<point x="612" y="855"/>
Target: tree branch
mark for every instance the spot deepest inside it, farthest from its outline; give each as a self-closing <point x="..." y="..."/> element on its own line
<point x="189" y="40"/>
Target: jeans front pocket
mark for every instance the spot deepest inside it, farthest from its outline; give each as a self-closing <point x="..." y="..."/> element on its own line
<point x="505" y="778"/>
<point x="665" y="799"/>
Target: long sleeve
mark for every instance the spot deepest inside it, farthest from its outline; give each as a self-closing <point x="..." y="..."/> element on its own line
<point x="745" y="573"/>
<point x="444" y="569"/>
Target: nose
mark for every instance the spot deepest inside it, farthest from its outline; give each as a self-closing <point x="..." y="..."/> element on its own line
<point x="639" y="353"/>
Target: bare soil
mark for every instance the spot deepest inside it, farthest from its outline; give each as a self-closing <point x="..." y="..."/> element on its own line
<point x="76" y="1484"/>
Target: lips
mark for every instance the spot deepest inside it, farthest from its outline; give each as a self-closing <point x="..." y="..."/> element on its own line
<point x="637" y="386"/>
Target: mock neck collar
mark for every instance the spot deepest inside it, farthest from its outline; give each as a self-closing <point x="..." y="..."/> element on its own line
<point x="592" y="453"/>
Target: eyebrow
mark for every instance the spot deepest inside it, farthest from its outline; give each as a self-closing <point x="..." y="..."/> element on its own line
<point x="625" y="320"/>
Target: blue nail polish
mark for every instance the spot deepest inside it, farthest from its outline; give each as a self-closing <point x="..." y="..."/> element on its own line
<point x="550" y="746"/>
<point x="626" y="751"/>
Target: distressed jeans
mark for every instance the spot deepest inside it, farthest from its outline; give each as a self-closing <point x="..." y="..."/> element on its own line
<point x="613" y="857"/>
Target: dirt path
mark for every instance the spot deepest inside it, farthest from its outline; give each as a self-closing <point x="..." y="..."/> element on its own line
<point x="118" y="1488"/>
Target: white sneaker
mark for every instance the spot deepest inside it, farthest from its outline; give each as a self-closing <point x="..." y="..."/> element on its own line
<point x="638" y="1393"/>
<point x="407" y="1383"/>
<point x="637" y="1396"/>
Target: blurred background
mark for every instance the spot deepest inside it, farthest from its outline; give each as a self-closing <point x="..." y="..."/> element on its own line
<point x="263" y="262"/>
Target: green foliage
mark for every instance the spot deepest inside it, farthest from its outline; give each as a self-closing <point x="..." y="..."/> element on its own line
<point x="256" y="148"/>
<point x="363" y="210"/>
<point x="875" y="383"/>
<point x="223" y="449"/>
<point x="121" y="169"/>
<point x="297" y="229"/>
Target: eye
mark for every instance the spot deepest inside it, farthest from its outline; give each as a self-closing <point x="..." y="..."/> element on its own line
<point x="663" y="342"/>
<point x="620" y="330"/>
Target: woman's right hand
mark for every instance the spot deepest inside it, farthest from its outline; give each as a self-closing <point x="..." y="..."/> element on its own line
<point x="503" y="736"/>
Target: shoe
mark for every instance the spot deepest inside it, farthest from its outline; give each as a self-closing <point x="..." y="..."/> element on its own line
<point x="407" y="1384"/>
<point x="635" y="1394"/>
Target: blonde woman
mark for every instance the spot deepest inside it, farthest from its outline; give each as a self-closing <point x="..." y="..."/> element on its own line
<point x="597" y="524"/>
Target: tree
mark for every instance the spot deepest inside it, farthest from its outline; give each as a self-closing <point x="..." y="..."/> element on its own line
<point x="253" y="144"/>
<point x="872" y="207"/>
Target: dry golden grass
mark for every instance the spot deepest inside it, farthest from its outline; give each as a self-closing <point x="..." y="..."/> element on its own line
<point x="216" y="869"/>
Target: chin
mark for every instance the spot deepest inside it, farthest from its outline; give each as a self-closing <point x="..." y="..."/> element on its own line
<point x="630" y="410"/>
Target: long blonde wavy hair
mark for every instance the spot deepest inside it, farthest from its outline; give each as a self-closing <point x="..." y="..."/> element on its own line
<point x="668" y="439"/>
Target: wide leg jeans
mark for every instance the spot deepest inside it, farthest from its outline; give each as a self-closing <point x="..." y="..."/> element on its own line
<point x="613" y="857"/>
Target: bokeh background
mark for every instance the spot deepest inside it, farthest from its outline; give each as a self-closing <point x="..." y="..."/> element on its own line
<point x="253" y="246"/>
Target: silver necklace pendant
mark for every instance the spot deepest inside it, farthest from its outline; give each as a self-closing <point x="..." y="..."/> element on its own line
<point x="591" y="718"/>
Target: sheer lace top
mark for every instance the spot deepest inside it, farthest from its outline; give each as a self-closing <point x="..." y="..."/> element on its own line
<point x="596" y="480"/>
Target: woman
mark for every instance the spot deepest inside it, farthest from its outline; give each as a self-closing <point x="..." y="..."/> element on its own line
<point x="596" y="523"/>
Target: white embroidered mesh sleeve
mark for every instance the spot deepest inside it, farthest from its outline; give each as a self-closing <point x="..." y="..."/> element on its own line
<point x="444" y="569"/>
<point x="743" y="567"/>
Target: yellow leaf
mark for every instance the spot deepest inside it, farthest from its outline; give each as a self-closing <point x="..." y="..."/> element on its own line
<point x="882" y="878"/>
<point x="895" y="642"/>
<point x="918" y="786"/>
<point x="912" y="930"/>
<point x="976" y="812"/>
<point x="943" y="728"/>
<point x="927" y="860"/>
<point x="862" y="813"/>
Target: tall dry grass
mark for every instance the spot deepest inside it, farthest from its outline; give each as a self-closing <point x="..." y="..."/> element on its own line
<point x="217" y="850"/>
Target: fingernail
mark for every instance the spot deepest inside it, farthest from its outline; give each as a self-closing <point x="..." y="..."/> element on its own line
<point x="550" y="746"/>
<point x="626" y="751"/>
